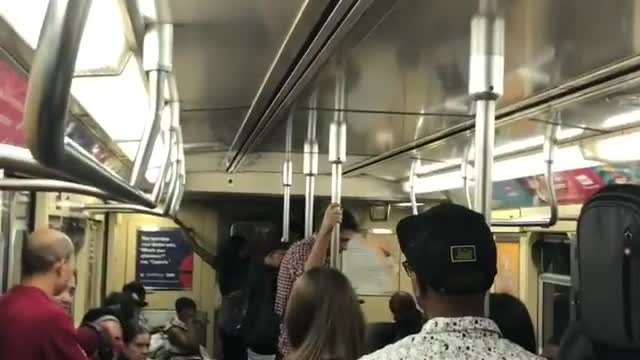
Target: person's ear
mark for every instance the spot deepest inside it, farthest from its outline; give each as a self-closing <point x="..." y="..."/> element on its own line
<point x="58" y="267"/>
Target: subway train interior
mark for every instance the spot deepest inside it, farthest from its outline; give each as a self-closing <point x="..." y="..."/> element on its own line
<point x="150" y="131"/>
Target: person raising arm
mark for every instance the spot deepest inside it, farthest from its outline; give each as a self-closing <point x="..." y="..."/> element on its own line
<point x="318" y="255"/>
<point x="308" y="254"/>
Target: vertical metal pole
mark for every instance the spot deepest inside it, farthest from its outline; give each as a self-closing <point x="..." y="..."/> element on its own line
<point x="337" y="155"/>
<point x="485" y="131"/>
<point x="310" y="166"/>
<point x="464" y="170"/>
<point x="412" y="186"/>
<point x="287" y="178"/>
<point x="486" y="79"/>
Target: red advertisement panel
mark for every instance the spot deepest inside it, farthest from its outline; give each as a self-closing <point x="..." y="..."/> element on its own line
<point x="577" y="186"/>
<point x="13" y="91"/>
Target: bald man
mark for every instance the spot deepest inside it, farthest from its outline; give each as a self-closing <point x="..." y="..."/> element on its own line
<point x="33" y="325"/>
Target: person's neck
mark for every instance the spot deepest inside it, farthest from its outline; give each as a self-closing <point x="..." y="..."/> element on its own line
<point x="41" y="282"/>
<point x="449" y="309"/>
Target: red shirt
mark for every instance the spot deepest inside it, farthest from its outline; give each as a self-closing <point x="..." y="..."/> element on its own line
<point x="291" y="268"/>
<point x="33" y="327"/>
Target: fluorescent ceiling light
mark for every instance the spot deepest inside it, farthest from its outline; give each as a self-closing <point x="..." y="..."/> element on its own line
<point x="615" y="149"/>
<point x="118" y="103"/>
<point x="625" y="118"/>
<point x="505" y="149"/>
<point x="435" y="166"/>
<point x="519" y="145"/>
<point x="25" y="17"/>
<point x="567" y="158"/>
<point x="103" y="45"/>
<point x="407" y="204"/>
<point x="381" y="231"/>
<point x="438" y="182"/>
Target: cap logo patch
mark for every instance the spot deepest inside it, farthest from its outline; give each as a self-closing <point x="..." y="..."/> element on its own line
<point x="464" y="253"/>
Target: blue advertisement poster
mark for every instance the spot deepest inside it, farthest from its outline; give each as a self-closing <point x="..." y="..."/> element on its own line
<point x="164" y="259"/>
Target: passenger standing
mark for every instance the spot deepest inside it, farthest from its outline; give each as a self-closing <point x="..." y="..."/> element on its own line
<point x="65" y="299"/>
<point x="308" y="254"/>
<point x="262" y="324"/>
<point x="408" y="320"/>
<point x="34" y="326"/>
<point x="451" y="260"/>
<point x="324" y="319"/>
<point x="513" y="319"/>
<point x="232" y="264"/>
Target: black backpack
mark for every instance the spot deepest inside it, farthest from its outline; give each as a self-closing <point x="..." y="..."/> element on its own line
<point x="609" y="267"/>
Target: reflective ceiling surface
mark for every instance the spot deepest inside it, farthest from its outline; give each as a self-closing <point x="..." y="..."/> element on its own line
<point x="415" y="59"/>
<point x="222" y="52"/>
<point x="509" y="137"/>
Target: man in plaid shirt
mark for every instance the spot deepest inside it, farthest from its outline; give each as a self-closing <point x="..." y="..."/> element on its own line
<point x="307" y="254"/>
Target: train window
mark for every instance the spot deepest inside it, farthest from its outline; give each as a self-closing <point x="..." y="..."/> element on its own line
<point x="552" y="254"/>
<point x="555" y="310"/>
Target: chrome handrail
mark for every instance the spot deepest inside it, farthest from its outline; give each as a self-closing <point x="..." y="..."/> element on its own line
<point x="47" y="102"/>
<point x="45" y="185"/>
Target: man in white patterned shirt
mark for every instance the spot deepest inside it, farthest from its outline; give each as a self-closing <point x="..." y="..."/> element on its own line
<point x="451" y="259"/>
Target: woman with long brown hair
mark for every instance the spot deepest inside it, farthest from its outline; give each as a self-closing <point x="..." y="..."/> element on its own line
<point x="324" y="319"/>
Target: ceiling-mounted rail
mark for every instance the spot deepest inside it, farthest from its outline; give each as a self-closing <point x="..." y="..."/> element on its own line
<point x="47" y="102"/>
<point x="307" y="20"/>
<point x="327" y="40"/>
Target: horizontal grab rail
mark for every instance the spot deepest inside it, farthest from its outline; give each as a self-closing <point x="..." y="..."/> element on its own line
<point x="46" y="185"/>
<point x="20" y="160"/>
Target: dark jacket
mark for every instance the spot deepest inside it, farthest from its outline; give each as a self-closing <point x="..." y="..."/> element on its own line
<point x="261" y="323"/>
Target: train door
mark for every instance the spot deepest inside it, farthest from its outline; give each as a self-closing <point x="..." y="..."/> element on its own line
<point x="555" y="308"/>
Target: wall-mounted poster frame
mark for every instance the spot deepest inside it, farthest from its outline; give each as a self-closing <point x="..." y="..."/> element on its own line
<point x="164" y="259"/>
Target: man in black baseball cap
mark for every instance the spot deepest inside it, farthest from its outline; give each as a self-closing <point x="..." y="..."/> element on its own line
<point x="138" y="291"/>
<point x="451" y="260"/>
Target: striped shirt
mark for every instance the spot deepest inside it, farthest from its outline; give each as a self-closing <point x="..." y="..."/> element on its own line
<point x="291" y="268"/>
